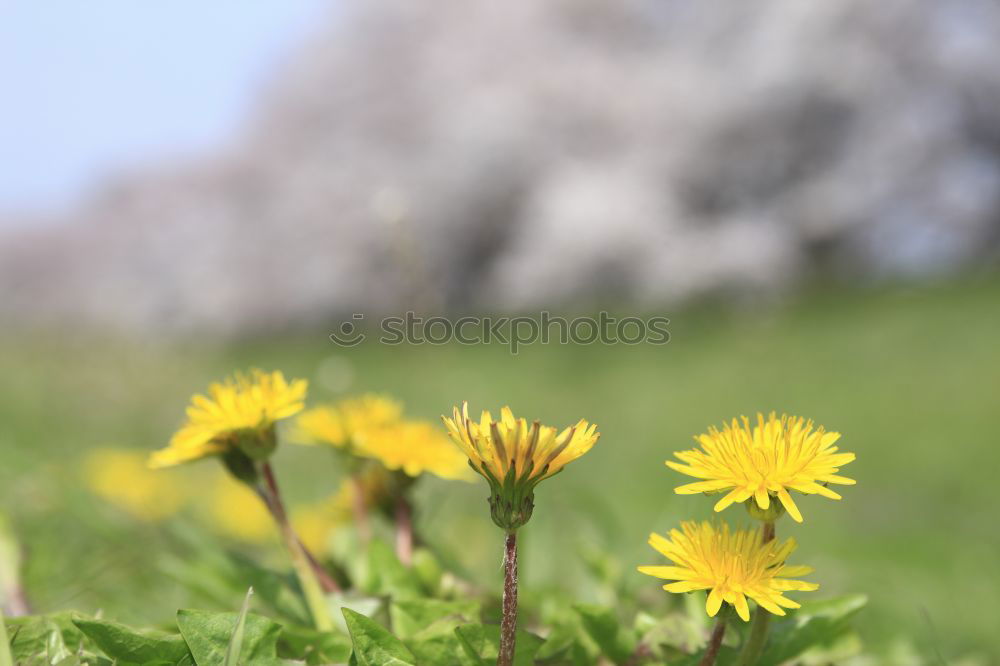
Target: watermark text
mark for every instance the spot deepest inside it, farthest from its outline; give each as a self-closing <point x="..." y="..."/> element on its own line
<point x="515" y="332"/>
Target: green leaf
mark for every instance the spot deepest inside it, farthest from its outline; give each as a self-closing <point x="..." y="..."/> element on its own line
<point x="236" y="640"/>
<point x="49" y="637"/>
<point x="387" y="576"/>
<point x="208" y="635"/>
<point x="6" y="658"/>
<point x="834" y="608"/>
<point x="314" y="647"/>
<point x="373" y="644"/>
<point x="482" y="644"/>
<point x="727" y="657"/>
<point x="431" y="617"/>
<point x="441" y="650"/>
<point x="672" y="635"/>
<point x="220" y="575"/>
<point x="126" y="644"/>
<point x="817" y="624"/>
<point x="562" y="645"/>
<point x="277" y="590"/>
<point x="616" y="642"/>
<point x="427" y="569"/>
<point x="367" y="606"/>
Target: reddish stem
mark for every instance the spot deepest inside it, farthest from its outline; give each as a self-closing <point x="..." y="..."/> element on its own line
<point x="715" y="641"/>
<point x="272" y="498"/>
<point x="404" y="530"/>
<point x="767" y="532"/>
<point x="508" y="622"/>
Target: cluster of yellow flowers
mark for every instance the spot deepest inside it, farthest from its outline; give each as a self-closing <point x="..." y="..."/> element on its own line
<point x="750" y="463"/>
<point x="232" y="509"/>
<point x="236" y="421"/>
<point x="238" y="416"/>
<point x="755" y="463"/>
<point x="372" y="426"/>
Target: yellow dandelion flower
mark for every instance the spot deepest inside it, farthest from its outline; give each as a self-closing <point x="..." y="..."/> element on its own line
<point x="122" y="478"/>
<point x="767" y="459"/>
<point x="731" y="565"/>
<point x="514" y="456"/>
<point x="237" y="512"/>
<point x="414" y="447"/>
<point x="339" y="424"/>
<point x="239" y="412"/>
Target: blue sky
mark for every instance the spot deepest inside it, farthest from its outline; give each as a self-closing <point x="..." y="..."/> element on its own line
<point x="90" y="87"/>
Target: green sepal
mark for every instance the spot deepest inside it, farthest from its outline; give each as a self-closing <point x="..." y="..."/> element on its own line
<point x="241" y="466"/>
<point x="257" y="443"/>
<point x="513" y="500"/>
<point x="774" y="510"/>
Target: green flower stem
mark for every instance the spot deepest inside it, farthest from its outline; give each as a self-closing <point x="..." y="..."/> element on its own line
<point x="754" y="646"/>
<point x="305" y="565"/>
<point x="508" y="622"/>
<point x="715" y="640"/>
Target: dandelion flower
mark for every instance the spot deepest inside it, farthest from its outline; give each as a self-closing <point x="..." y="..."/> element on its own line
<point x="514" y="456"/>
<point x="237" y="413"/>
<point x="414" y="447"/>
<point x="340" y="424"/>
<point x="123" y="478"/>
<point x="767" y="459"/>
<point x="731" y="566"/>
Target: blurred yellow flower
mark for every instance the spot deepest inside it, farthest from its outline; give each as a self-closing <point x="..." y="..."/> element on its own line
<point x="771" y="457"/>
<point x="514" y="457"/>
<point x="237" y="512"/>
<point x="731" y="565"/>
<point x="240" y="410"/>
<point x="314" y="522"/>
<point x="339" y="424"/>
<point x="414" y="447"/>
<point x="122" y="478"/>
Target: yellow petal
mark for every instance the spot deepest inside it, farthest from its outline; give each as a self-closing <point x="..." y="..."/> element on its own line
<point x="714" y="602"/>
<point x="789" y="504"/>
<point x="669" y="573"/>
<point x="762" y="497"/>
<point x="742" y="609"/>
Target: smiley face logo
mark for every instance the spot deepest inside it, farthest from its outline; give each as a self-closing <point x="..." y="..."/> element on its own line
<point x="348" y="334"/>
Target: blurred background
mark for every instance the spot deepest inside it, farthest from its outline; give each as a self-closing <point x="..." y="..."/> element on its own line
<point x="810" y="191"/>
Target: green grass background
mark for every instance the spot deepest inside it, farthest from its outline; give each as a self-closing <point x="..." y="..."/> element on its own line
<point x="909" y="376"/>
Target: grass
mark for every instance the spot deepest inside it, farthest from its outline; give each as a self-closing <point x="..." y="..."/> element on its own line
<point x="909" y="377"/>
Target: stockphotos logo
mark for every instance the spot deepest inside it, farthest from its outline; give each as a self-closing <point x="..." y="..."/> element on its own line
<point x="515" y="332"/>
